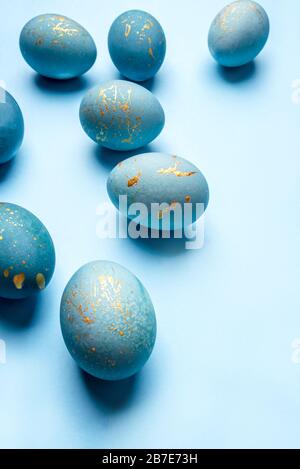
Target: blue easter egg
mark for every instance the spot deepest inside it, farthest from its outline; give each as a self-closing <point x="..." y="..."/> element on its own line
<point x="27" y="256"/>
<point x="121" y="115"/>
<point x="11" y="126"/>
<point x="107" y="320"/>
<point x="57" y="47"/>
<point x="173" y="192"/>
<point x="137" y="45"/>
<point x="238" y="33"/>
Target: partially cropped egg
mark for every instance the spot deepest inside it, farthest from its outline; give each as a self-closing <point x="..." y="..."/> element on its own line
<point x="56" y="46"/>
<point x="107" y="320"/>
<point x="137" y="45"/>
<point x="238" y="33"/>
<point x="11" y="126"/>
<point x="121" y="115"/>
<point x="164" y="191"/>
<point x="27" y="255"/>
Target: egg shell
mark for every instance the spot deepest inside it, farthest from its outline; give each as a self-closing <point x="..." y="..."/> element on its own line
<point x="56" y="46"/>
<point x="107" y="320"/>
<point x="137" y="45"/>
<point x="238" y="33"/>
<point x="11" y="126"/>
<point x="27" y="255"/>
<point x="121" y="115"/>
<point x="159" y="178"/>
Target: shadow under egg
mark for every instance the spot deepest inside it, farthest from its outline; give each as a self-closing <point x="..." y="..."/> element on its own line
<point x="159" y="242"/>
<point x="55" y="86"/>
<point x="237" y="74"/>
<point x="110" y="158"/>
<point x="6" y="168"/>
<point x="19" y="314"/>
<point x="113" y="396"/>
<point x="150" y="84"/>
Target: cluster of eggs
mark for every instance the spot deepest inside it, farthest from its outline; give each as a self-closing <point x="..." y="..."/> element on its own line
<point x="107" y="317"/>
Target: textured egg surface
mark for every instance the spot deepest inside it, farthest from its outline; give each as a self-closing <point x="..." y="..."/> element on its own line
<point x="121" y="115"/>
<point x="137" y="45"/>
<point x="238" y="33"/>
<point x="158" y="178"/>
<point x="57" y="47"/>
<point x="27" y="256"/>
<point x="107" y="320"/>
<point x="11" y="126"/>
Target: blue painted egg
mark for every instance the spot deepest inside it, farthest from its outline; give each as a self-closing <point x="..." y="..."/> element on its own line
<point x="11" y="126"/>
<point x="238" y="33"/>
<point x="172" y="191"/>
<point x="57" y="47"/>
<point x="137" y="45"/>
<point x="121" y="115"/>
<point x="27" y="256"/>
<point x="107" y="320"/>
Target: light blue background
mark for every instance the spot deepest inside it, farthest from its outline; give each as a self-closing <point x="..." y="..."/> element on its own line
<point x="222" y="373"/>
